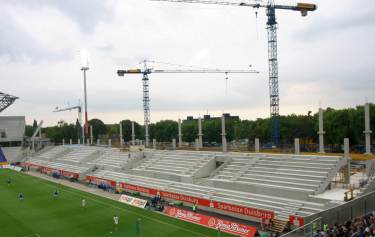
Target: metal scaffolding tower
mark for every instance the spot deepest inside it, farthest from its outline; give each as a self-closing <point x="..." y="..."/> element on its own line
<point x="6" y="100"/>
<point x="273" y="72"/>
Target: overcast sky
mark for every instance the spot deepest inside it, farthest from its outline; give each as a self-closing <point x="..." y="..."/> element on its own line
<point x="326" y="57"/>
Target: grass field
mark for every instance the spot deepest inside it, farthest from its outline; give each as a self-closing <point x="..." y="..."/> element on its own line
<point x="42" y="215"/>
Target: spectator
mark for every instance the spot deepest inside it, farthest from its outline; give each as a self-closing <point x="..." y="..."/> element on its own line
<point x="358" y="227"/>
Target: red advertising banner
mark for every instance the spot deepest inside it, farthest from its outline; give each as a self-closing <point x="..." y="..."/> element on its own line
<point x="296" y="220"/>
<point x="140" y="189"/>
<point x="101" y="180"/>
<point x="184" y="198"/>
<point x="69" y="174"/>
<point x="247" y="211"/>
<point x="49" y="170"/>
<point x="211" y="222"/>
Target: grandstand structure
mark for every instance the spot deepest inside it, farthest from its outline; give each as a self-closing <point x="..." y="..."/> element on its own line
<point x="12" y="130"/>
<point x="6" y="101"/>
<point x="249" y="186"/>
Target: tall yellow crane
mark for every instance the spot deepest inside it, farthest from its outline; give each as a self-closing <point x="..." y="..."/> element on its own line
<point x="271" y="8"/>
<point x="145" y="79"/>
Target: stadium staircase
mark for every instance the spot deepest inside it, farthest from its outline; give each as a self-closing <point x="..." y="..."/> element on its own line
<point x="278" y="226"/>
<point x="340" y="162"/>
<point x="368" y="187"/>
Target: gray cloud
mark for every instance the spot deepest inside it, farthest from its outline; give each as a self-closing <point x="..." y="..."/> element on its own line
<point x="87" y="13"/>
<point x="332" y="62"/>
<point x="328" y="26"/>
<point x="16" y="44"/>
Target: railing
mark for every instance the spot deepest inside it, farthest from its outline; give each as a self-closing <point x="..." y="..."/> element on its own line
<point x="356" y="208"/>
<point x="308" y="230"/>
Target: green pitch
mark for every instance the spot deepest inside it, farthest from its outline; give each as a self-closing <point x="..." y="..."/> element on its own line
<point x="42" y="215"/>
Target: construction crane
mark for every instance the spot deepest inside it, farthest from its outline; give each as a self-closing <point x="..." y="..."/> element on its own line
<point x="145" y="79"/>
<point x="79" y="109"/>
<point x="271" y="8"/>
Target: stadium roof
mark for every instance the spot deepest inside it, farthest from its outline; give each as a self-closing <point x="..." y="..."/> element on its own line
<point x="6" y="100"/>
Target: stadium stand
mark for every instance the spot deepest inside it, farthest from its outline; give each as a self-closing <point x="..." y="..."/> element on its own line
<point x="3" y="160"/>
<point x="52" y="153"/>
<point x="178" y="166"/>
<point x="111" y="158"/>
<point x="281" y="206"/>
<point x="79" y="153"/>
<point x="268" y="183"/>
<point x="59" y="166"/>
<point x="13" y="154"/>
<point x="362" y="226"/>
<point x="302" y="174"/>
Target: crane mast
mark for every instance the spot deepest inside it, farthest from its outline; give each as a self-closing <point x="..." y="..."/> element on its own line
<point x="273" y="73"/>
<point x="270" y="7"/>
<point x="145" y="83"/>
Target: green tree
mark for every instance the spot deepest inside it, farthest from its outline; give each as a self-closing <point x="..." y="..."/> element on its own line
<point x="98" y="127"/>
<point x="35" y="124"/>
<point x="127" y="130"/>
<point x="164" y="130"/>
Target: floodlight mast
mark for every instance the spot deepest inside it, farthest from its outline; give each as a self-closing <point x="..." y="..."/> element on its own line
<point x="145" y="80"/>
<point x="86" y="125"/>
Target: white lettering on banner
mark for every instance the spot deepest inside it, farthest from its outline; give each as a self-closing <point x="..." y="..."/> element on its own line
<point x="211" y="222"/>
<point x="187" y="216"/>
<point x="233" y="227"/>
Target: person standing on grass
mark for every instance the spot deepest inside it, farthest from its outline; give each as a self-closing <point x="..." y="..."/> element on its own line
<point x="83" y="203"/>
<point x="20" y="196"/>
<point x="115" y="222"/>
<point x="55" y="194"/>
<point x="9" y="181"/>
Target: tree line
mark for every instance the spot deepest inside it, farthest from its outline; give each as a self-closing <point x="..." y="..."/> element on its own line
<point x="338" y="124"/>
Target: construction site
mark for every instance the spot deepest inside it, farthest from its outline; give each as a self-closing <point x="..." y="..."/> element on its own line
<point x="281" y="175"/>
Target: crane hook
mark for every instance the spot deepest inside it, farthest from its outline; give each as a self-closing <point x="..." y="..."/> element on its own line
<point x="226" y="83"/>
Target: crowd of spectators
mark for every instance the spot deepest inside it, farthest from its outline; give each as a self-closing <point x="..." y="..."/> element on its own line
<point x="358" y="227"/>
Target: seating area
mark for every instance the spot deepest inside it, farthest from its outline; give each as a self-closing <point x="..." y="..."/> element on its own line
<point x="111" y="158"/>
<point x="281" y="206"/>
<point x="52" y="152"/>
<point x="79" y="153"/>
<point x="178" y="163"/>
<point x="59" y="166"/>
<point x="271" y="182"/>
<point x="12" y="154"/>
<point x="294" y="173"/>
